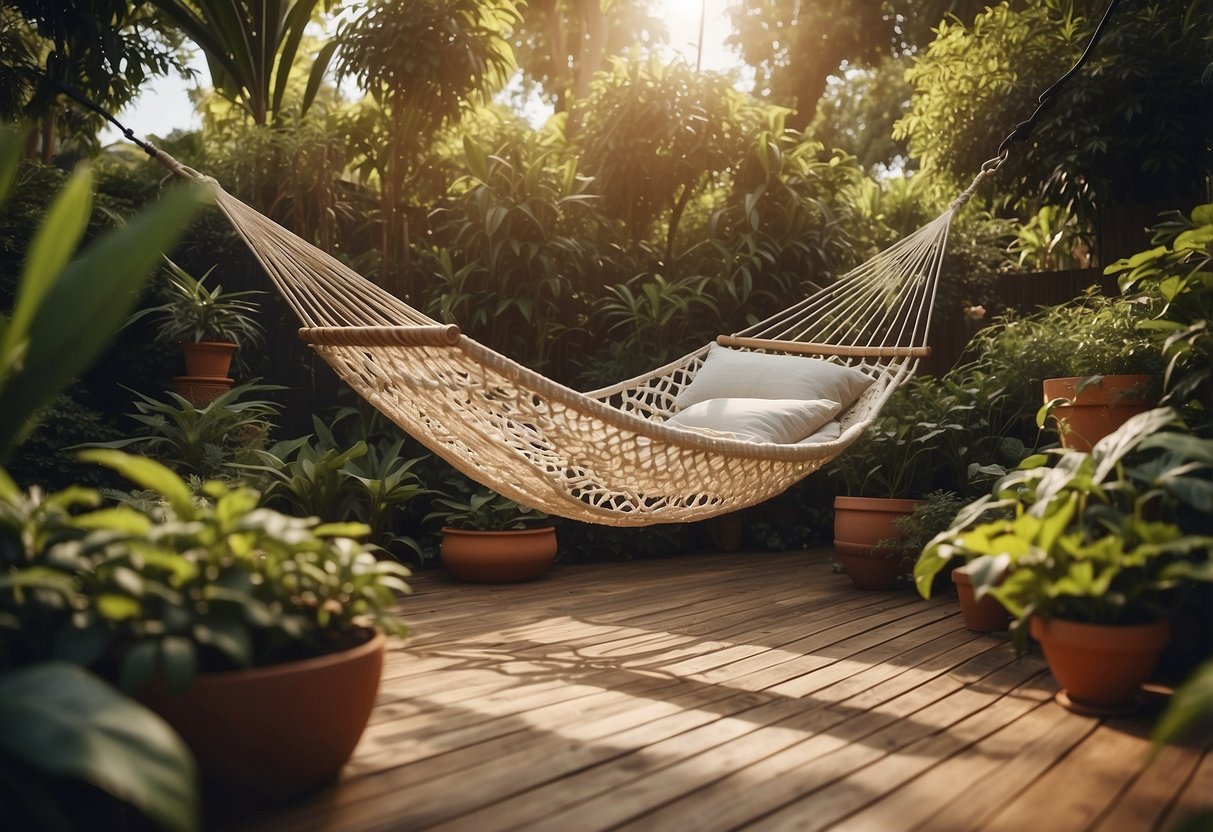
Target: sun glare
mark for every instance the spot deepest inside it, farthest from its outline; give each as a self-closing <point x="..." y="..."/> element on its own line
<point x="681" y="18"/>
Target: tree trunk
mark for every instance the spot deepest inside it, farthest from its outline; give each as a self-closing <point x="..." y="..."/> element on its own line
<point x="811" y="76"/>
<point x="591" y="48"/>
<point x="672" y="231"/>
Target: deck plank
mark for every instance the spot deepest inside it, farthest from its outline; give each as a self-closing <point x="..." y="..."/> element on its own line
<point x="718" y="692"/>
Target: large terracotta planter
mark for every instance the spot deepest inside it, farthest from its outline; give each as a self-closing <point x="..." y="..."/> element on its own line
<point x="1101" y="668"/>
<point x="498" y="557"/>
<point x="984" y="616"/>
<point x="266" y="735"/>
<point x="859" y="524"/>
<point x="1099" y="408"/>
<point x="208" y="359"/>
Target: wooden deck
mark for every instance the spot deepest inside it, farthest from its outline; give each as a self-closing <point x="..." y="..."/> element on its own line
<point x="719" y="692"/>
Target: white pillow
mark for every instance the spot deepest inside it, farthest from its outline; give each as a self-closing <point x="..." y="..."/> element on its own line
<point x="782" y="421"/>
<point x="829" y="433"/>
<point x="729" y="373"/>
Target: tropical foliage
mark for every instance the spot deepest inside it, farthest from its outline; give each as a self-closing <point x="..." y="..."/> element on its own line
<point x="1127" y="130"/>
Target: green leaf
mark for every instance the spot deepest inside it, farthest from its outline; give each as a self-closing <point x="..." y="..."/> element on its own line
<point x="62" y="721"/>
<point x="178" y="662"/>
<point x="316" y="76"/>
<point x="1191" y="703"/>
<point x="117" y="519"/>
<point x="138" y="665"/>
<point x="146" y="473"/>
<point x="355" y="530"/>
<point x="117" y="607"/>
<point x="476" y="158"/>
<point x="49" y="251"/>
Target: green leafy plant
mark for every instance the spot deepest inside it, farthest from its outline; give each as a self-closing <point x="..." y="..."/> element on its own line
<point x="251" y="48"/>
<point x="901" y="454"/>
<point x="305" y="475"/>
<point x="1099" y="537"/>
<point x="1048" y="241"/>
<point x="388" y="483"/>
<point x="320" y="476"/>
<point x="933" y="516"/>
<point x="484" y="511"/>
<point x="1094" y="335"/>
<point x="192" y="311"/>
<point x="207" y="582"/>
<point x="202" y="441"/>
<point x="1175" y="282"/>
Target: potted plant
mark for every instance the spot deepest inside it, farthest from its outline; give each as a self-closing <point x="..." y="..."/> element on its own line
<point x="1109" y="369"/>
<point x="1090" y="553"/>
<point x="885" y="476"/>
<point x="209" y="324"/>
<point x="917" y="529"/>
<point x="487" y="538"/>
<point x="259" y="637"/>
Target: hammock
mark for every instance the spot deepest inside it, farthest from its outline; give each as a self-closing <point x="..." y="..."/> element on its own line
<point x="605" y="456"/>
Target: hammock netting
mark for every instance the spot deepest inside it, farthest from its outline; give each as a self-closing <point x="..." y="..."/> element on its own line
<point x="604" y="456"/>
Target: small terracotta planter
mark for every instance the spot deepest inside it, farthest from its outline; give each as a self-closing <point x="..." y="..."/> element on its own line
<point x="498" y="557"/>
<point x="1101" y="668"/>
<point x="1099" y="408"/>
<point x="201" y="390"/>
<point x="859" y="524"/>
<point x="211" y="359"/>
<point x="984" y="616"/>
<point x="269" y="734"/>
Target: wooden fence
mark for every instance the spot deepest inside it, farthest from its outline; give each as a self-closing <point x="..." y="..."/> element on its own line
<point x="1012" y="293"/>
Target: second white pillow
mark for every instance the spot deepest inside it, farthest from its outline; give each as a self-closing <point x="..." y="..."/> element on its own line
<point x="782" y="421"/>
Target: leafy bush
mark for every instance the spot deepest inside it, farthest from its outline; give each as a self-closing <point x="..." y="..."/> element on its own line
<point x="1100" y="537"/>
<point x="1144" y="85"/>
<point x="485" y="511"/>
<point x="1175" y="282"/>
<point x="192" y="583"/>
<point x="207" y="441"/>
<point x="320" y="476"/>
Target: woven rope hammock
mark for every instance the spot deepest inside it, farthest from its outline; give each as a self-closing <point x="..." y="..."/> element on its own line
<point x="605" y="456"/>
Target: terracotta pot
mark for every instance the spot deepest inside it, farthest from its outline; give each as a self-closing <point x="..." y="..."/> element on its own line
<point x="266" y="735"/>
<point x="1099" y="408"/>
<point x="201" y="390"/>
<point x="498" y="557"/>
<point x="1101" y="668"/>
<point x="727" y="531"/>
<point x="212" y="359"/>
<point x="984" y="616"/>
<point x="859" y="524"/>
<point x="872" y="571"/>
